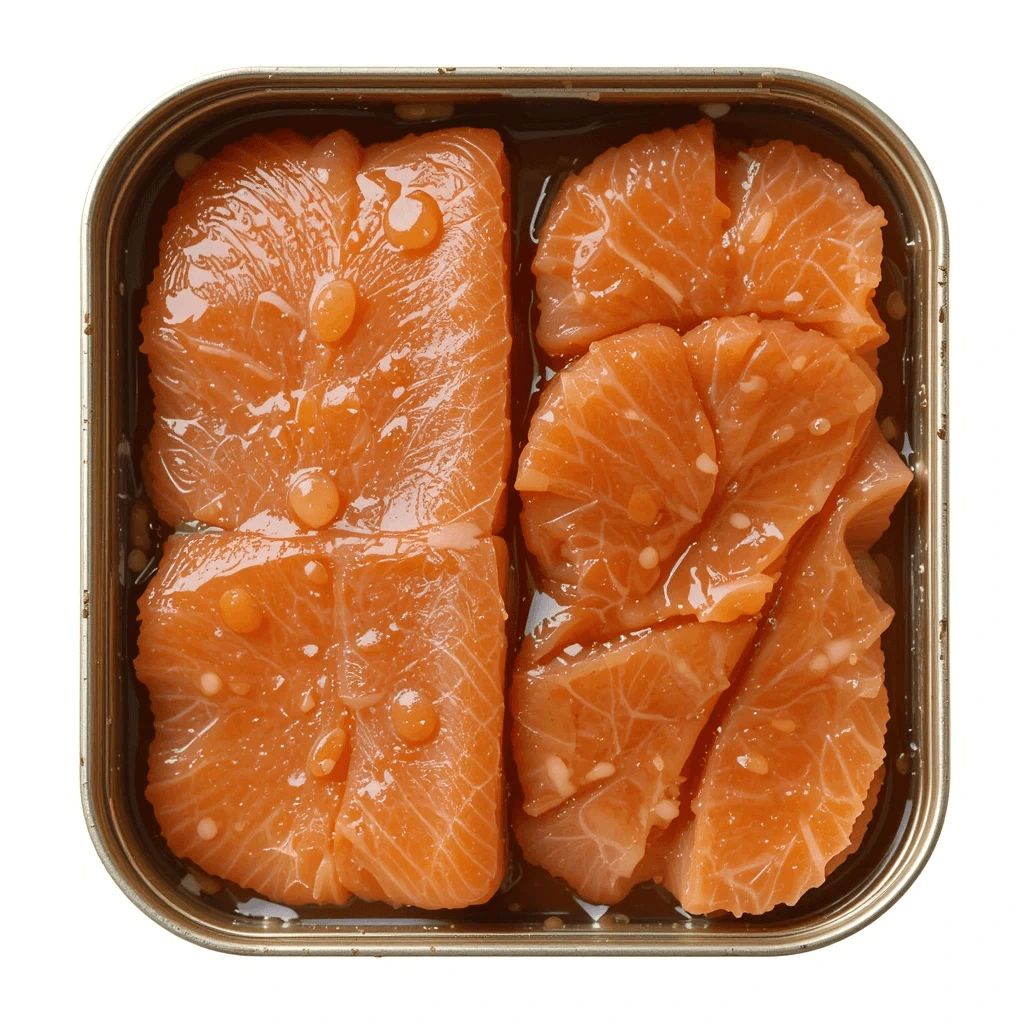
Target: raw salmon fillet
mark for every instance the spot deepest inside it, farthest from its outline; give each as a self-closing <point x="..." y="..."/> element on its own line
<point x="788" y="407"/>
<point x="634" y="238"/>
<point x="424" y="824"/>
<point x="800" y="745"/>
<point x="803" y="242"/>
<point x="238" y="717"/>
<point x="600" y="737"/>
<point x="369" y="669"/>
<point x="768" y="258"/>
<point x="618" y="467"/>
<point x="275" y="246"/>
<point x="665" y="230"/>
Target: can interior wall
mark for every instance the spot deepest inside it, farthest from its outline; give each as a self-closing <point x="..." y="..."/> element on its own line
<point x="551" y="125"/>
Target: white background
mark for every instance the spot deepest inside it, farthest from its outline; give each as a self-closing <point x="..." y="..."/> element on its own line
<point x="72" y="80"/>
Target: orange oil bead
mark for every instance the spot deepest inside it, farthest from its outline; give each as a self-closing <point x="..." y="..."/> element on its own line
<point x="332" y="310"/>
<point x="413" y="221"/>
<point x="314" y="499"/>
<point x="326" y="751"/>
<point x="239" y="610"/>
<point x="413" y="716"/>
<point x="316" y="572"/>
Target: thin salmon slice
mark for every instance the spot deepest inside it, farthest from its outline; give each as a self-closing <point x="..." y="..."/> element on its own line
<point x="600" y="737"/>
<point x="789" y="407"/>
<point x="323" y="312"/>
<point x="665" y="229"/>
<point x="422" y="821"/>
<point x="804" y="243"/>
<point x="618" y="467"/>
<point x="634" y="238"/>
<point x="265" y="737"/>
<point x="789" y="774"/>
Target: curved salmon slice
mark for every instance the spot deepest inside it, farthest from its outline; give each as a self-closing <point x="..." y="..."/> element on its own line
<point x="308" y="688"/>
<point x="600" y="738"/>
<point x="634" y="238"/>
<point x="618" y="468"/>
<point x="239" y="717"/>
<point x="789" y="407"/>
<point x="288" y="332"/>
<point x="788" y="776"/>
<point x="640" y="236"/>
<point x="804" y="242"/>
<point x="422" y="822"/>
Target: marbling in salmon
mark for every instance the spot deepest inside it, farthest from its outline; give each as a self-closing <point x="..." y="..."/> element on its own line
<point x="315" y="359"/>
<point x="801" y="743"/>
<point x="671" y="229"/>
<point x="345" y="733"/>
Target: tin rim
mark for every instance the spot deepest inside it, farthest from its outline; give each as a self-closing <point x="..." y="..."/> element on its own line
<point x="857" y="116"/>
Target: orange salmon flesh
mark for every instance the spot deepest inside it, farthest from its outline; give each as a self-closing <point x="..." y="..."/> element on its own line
<point x="344" y="707"/>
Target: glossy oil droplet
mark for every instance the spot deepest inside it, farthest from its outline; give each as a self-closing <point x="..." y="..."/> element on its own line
<point x="558" y="773"/>
<point x="332" y="310"/>
<point x="413" y="221"/>
<point x="316" y="572"/>
<point x="762" y="227"/>
<point x="314" y="499"/>
<point x="206" y="828"/>
<point x="706" y="464"/>
<point x="648" y="558"/>
<point x="413" y="716"/>
<point x="326" y="751"/>
<point x="601" y="770"/>
<point x="819" y="663"/>
<point x="239" y="610"/>
<point x="210" y="683"/>
<point x="756" y="763"/>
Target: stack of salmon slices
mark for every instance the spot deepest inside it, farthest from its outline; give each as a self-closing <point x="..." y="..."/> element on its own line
<point x="704" y="704"/>
<point x="328" y="340"/>
<point x="700" y="487"/>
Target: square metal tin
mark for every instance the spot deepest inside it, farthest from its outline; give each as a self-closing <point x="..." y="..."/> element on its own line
<point x="535" y="109"/>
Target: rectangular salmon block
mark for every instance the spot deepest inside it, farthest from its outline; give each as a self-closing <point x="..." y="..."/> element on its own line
<point x="328" y="713"/>
<point x="422" y="821"/>
<point x="328" y="336"/>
